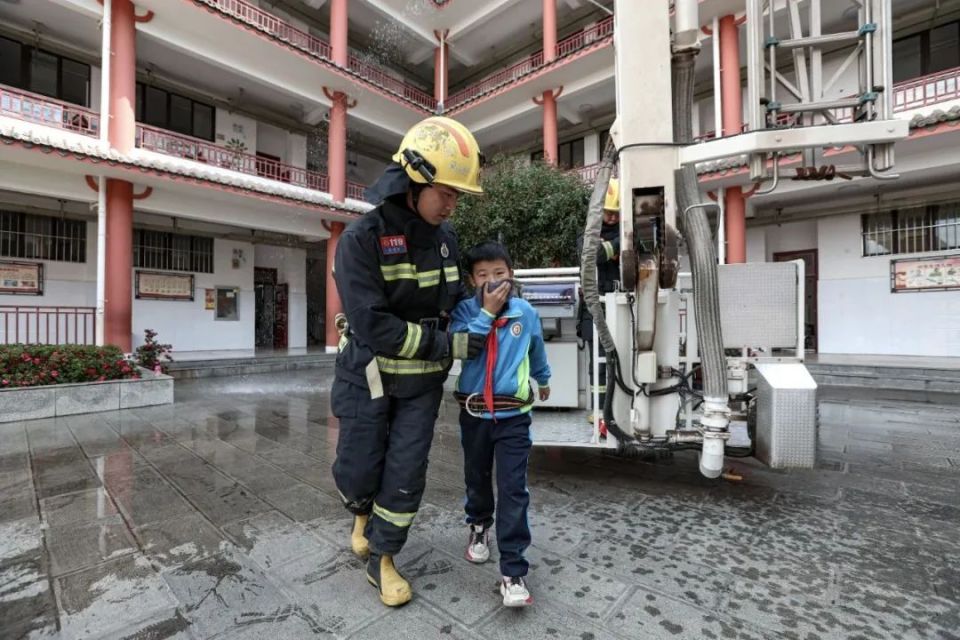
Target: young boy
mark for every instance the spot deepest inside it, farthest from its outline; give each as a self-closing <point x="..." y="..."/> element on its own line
<point x="494" y="389"/>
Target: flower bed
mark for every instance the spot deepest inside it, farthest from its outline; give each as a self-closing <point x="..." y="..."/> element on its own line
<point x="36" y="365"/>
<point x="45" y="381"/>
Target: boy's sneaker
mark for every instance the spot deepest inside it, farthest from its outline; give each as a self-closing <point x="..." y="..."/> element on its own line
<point x="478" y="547"/>
<point x="514" y="592"/>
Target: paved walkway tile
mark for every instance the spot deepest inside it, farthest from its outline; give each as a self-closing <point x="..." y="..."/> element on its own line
<point x="217" y="518"/>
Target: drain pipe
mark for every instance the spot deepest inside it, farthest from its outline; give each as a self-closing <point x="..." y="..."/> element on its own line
<point x="703" y="255"/>
<point x="105" y="55"/>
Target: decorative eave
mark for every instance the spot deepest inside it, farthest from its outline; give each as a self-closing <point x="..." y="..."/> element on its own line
<point x="94" y="150"/>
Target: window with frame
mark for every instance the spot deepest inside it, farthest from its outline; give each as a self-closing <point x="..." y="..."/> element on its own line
<point x="929" y="51"/>
<point x="37" y="237"/>
<point x="168" y="251"/>
<point x="174" y="112"/>
<point x="569" y="154"/>
<point x="39" y="71"/>
<point x="911" y="230"/>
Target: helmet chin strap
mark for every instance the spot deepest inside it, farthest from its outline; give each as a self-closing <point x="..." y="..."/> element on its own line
<point x="415" y="190"/>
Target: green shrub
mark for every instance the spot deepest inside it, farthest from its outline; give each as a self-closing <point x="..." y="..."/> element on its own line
<point x="32" y="365"/>
<point x="536" y="210"/>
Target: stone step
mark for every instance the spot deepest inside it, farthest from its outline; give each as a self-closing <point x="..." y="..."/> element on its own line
<point x="191" y="369"/>
<point x="907" y="379"/>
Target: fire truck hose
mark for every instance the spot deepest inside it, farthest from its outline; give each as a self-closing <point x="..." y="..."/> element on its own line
<point x="703" y="264"/>
<point x="591" y="294"/>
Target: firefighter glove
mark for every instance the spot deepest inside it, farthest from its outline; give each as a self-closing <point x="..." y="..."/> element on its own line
<point x="466" y="346"/>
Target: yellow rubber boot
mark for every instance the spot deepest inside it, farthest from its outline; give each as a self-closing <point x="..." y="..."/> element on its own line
<point x="382" y="574"/>
<point x="358" y="541"/>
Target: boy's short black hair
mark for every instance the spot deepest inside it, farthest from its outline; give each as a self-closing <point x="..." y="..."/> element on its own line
<point x="489" y="251"/>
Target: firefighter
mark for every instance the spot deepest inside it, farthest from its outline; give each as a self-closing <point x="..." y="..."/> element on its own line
<point x="397" y="275"/>
<point x="608" y="277"/>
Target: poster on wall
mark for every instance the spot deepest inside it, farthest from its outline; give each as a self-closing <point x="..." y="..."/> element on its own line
<point x="21" y="278"/>
<point x="209" y="299"/>
<point x="936" y="273"/>
<point x="156" y="285"/>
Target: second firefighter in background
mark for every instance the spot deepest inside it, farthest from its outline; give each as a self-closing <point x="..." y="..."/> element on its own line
<point x="608" y="278"/>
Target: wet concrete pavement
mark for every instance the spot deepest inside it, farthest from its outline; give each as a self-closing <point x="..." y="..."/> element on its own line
<point x="217" y="518"/>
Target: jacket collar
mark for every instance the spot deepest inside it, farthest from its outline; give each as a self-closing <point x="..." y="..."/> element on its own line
<point x="416" y="229"/>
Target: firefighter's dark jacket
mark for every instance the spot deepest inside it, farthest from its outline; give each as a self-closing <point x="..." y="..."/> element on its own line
<point x="396" y="274"/>
<point x="608" y="267"/>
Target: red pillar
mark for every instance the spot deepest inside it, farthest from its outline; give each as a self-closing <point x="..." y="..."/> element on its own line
<point x="333" y="306"/>
<point x="730" y="89"/>
<point x="549" y="30"/>
<point x="118" y="289"/>
<point x="549" y="128"/>
<point x="440" y="65"/>
<point x="731" y="92"/>
<point x="549" y="99"/>
<point x="336" y="163"/>
<point x="337" y="170"/>
<point x="337" y="147"/>
<point x="123" y="76"/>
<point x="338" y="31"/>
<point x="735" y="224"/>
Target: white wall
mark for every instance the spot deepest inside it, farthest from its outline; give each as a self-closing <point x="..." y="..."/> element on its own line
<point x="291" y="266"/>
<point x="95" y="88"/>
<point x="297" y="150"/>
<point x="187" y="325"/>
<point x="591" y="148"/>
<point x="793" y="236"/>
<point x="65" y="284"/>
<point x="857" y="312"/>
<point x="233" y="125"/>
<point x="756" y="244"/>
<point x="366" y="171"/>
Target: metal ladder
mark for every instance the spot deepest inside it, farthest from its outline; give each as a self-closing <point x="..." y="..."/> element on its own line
<point x="870" y="49"/>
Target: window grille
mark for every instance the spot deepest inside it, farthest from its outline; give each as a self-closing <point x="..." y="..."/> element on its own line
<point x="167" y="251"/>
<point x="38" y="237"/>
<point x="912" y="230"/>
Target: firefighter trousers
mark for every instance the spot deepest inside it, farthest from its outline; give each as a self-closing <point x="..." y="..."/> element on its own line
<point x="381" y="465"/>
<point x="506" y="441"/>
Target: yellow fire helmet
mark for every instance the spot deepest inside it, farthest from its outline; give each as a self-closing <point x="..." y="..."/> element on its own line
<point x="612" y="201"/>
<point x="440" y="150"/>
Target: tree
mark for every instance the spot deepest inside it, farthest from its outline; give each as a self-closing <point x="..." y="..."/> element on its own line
<point x="536" y="210"/>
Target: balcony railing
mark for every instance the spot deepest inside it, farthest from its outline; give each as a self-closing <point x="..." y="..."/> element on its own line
<point x="565" y="47"/>
<point x="188" y="148"/>
<point x="927" y="90"/>
<point x="378" y="76"/>
<point x="355" y="191"/>
<point x="588" y="173"/>
<point x="272" y="25"/>
<point x="47" y="325"/>
<point x="179" y="146"/>
<point x="31" y="107"/>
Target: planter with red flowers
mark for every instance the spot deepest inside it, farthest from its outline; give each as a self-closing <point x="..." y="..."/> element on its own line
<point x="44" y="381"/>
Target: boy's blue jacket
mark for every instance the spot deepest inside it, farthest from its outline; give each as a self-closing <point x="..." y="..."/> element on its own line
<point x="520" y="351"/>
